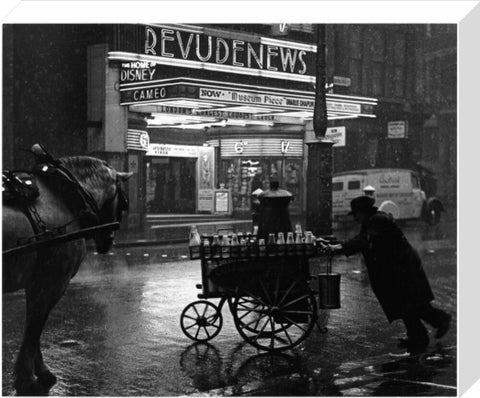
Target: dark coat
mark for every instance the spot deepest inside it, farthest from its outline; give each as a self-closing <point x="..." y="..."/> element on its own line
<point x="394" y="267"/>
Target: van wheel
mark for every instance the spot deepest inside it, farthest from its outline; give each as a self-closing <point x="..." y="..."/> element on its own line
<point x="433" y="215"/>
<point x="391" y="208"/>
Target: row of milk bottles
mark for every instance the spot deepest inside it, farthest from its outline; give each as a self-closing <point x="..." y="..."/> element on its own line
<point x="240" y="245"/>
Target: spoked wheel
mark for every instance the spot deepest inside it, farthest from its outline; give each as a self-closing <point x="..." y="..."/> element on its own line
<point x="274" y="316"/>
<point x="201" y="320"/>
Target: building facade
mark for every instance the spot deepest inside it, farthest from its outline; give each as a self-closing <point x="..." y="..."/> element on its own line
<point x="412" y="71"/>
<point x="196" y="111"/>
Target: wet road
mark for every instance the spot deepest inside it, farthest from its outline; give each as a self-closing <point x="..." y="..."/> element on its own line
<point x="116" y="332"/>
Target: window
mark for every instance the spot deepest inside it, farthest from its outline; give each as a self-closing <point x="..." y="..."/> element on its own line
<point x="356" y="75"/>
<point x="377" y="50"/>
<point x="415" y="184"/>
<point x="337" y="186"/>
<point x="356" y="50"/>
<point x="396" y="70"/>
<point x="355" y="184"/>
<point x="448" y="86"/>
<point x="399" y="67"/>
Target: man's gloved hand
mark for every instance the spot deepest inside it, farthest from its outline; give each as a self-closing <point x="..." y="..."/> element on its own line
<point x="322" y="243"/>
<point x="333" y="249"/>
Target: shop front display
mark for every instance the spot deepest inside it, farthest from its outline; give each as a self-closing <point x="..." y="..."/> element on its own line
<point x="248" y="164"/>
<point x="244" y="176"/>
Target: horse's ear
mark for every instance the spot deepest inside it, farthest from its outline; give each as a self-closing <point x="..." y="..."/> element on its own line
<point x="124" y="176"/>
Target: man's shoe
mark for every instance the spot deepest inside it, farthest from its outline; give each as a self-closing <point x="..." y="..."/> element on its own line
<point x="444" y="326"/>
<point x="412" y="349"/>
<point x="400" y="354"/>
<point x="417" y="348"/>
<point x="406" y="343"/>
<point x="403" y="343"/>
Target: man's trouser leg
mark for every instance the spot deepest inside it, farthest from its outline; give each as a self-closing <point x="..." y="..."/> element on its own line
<point x="432" y="315"/>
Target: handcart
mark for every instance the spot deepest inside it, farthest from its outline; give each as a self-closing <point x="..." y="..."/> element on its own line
<point x="269" y="290"/>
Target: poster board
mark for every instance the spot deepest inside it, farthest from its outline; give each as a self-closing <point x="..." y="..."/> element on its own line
<point x="222" y="202"/>
<point x="205" y="200"/>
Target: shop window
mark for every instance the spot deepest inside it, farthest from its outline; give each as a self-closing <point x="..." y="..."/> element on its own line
<point x="243" y="176"/>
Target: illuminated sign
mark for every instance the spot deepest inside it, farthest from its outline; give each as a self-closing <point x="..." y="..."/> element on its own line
<point x="165" y="94"/>
<point x="182" y="151"/>
<point x="254" y="147"/>
<point x="249" y="98"/>
<point x="138" y="140"/>
<point x="180" y="44"/>
<point x="161" y="92"/>
<point x="216" y="50"/>
<point x="344" y="107"/>
<point x="342" y="81"/>
<point x="284" y="146"/>
<point x="239" y="146"/>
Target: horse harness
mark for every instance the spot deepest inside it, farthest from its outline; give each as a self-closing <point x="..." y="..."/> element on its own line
<point x="20" y="190"/>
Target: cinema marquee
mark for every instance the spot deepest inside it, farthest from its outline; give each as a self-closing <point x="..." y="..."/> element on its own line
<point x="213" y="50"/>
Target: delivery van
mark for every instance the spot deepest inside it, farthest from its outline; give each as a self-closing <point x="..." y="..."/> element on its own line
<point x="396" y="191"/>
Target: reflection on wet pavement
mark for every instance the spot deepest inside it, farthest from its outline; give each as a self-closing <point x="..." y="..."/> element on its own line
<point x="117" y="332"/>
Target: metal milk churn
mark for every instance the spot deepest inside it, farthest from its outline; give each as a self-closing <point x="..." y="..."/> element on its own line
<point x="275" y="216"/>
<point x="329" y="288"/>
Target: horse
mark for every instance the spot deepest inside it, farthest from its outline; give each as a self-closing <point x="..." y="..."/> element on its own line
<point x="45" y="273"/>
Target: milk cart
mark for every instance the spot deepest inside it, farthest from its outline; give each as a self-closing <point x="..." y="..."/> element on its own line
<point x="269" y="290"/>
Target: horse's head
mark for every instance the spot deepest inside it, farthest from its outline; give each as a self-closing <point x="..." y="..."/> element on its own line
<point x="111" y="210"/>
<point x="105" y="185"/>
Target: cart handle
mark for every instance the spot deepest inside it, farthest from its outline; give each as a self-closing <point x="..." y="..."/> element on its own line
<point x="329" y="262"/>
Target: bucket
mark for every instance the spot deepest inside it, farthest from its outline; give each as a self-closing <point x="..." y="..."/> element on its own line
<point x="329" y="291"/>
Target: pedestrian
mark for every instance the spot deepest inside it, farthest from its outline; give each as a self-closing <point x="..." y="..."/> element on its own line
<point x="396" y="274"/>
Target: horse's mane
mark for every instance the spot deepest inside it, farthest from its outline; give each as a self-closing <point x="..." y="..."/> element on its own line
<point x="94" y="174"/>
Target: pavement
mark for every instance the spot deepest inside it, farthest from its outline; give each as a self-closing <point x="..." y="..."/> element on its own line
<point x="126" y="297"/>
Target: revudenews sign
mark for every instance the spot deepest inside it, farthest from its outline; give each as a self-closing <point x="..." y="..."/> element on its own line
<point x="199" y="48"/>
<point x="285" y="57"/>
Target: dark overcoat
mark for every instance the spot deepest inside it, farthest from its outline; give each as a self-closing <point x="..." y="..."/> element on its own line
<point x="394" y="267"/>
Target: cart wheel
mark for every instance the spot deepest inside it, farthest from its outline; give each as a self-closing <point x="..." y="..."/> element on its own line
<point x="274" y="316"/>
<point x="201" y="320"/>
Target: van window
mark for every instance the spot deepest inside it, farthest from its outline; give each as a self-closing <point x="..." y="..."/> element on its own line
<point x="415" y="184"/>
<point x="337" y="186"/>
<point x="354" y="184"/>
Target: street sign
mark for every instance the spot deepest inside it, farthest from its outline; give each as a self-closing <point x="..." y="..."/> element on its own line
<point x="337" y="135"/>
<point x="397" y="129"/>
<point x="342" y="81"/>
